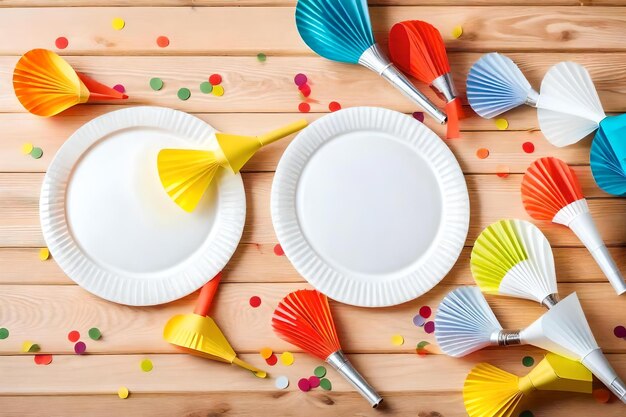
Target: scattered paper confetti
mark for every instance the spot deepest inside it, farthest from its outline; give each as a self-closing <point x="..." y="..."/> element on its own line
<point x="425" y="311"/>
<point x="429" y="327"/>
<point x="457" y="31"/>
<point x="334" y="106"/>
<point x="526" y="413"/>
<point x="419" y="116"/>
<point x="80" y="348"/>
<point x="206" y="87"/>
<point x="255" y="301"/>
<point x="73" y="336"/>
<point x="482" y="153"/>
<point x="300" y="79"/>
<point x="601" y="395"/>
<point x="278" y="250"/>
<point x="215" y="79"/>
<point x="528" y="361"/>
<point x="27" y="148"/>
<point x="261" y="57"/>
<point x="272" y="360"/>
<point x="146" y="365"/>
<point x="287" y="358"/>
<point x="320" y="372"/>
<point x="282" y="382"/>
<point x="118" y="23"/>
<point x="163" y="41"/>
<point x="304" y="385"/>
<point x="528" y="147"/>
<point x="502" y="124"/>
<point x="418" y="320"/>
<point x="218" y="90"/>
<point x="156" y="83"/>
<point x="61" y="42"/>
<point x="36" y="153"/>
<point x="95" y="333"/>
<point x="305" y="90"/>
<point x="44" y="254"/>
<point x="502" y="171"/>
<point x="314" y="381"/>
<point x="41" y="359"/>
<point x="619" y="331"/>
<point x="265" y="352"/>
<point x="325" y="384"/>
<point x="122" y="392"/>
<point x="397" y="340"/>
<point x="304" y="107"/>
<point x="421" y="348"/>
<point x="4" y="333"/>
<point x="29" y="346"/>
<point x="183" y="93"/>
<point x="120" y="88"/>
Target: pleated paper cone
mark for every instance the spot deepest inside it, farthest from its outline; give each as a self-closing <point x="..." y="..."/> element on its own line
<point x="491" y="392"/>
<point x="556" y="373"/>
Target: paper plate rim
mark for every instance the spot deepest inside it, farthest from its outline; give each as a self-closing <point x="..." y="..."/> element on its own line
<point x="112" y="286"/>
<point x="320" y="274"/>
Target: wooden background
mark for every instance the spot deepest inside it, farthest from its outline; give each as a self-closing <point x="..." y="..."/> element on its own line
<point x="38" y="302"/>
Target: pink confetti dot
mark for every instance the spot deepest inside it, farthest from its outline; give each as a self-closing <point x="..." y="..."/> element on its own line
<point x="425" y="312"/>
<point x="80" y="348"/>
<point x="163" y="41"/>
<point x="528" y="147"/>
<point x="300" y="79"/>
<point x="619" y="331"/>
<point x="272" y="360"/>
<point x="278" y="250"/>
<point x="304" y="385"/>
<point x="255" y="301"/>
<point x="73" y="336"/>
<point x="429" y="327"/>
<point x="304" y="108"/>
<point x="314" y="381"/>
<point x="419" y="116"/>
<point x="334" y="106"/>
<point x="119" y="87"/>
<point x="61" y="42"/>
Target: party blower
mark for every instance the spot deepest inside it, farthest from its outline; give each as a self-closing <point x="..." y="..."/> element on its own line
<point x="464" y="323"/>
<point x="340" y="30"/>
<point x="417" y="48"/>
<point x="187" y="173"/>
<point x="303" y="319"/>
<point x="551" y="191"/>
<point x="491" y="392"/>
<point x="199" y="335"/>
<point x="46" y="84"/>
<point x="513" y="258"/>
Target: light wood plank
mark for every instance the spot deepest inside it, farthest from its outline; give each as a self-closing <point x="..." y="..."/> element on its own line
<point x="45" y="314"/>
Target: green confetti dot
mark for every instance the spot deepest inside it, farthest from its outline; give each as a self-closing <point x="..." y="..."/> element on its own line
<point x="320" y="372"/>
<point x="261" y="57"/>
<point x="528" y="361"/>
<point x="156" y="83"/>
<point x="95" y="333"/>
<point x="184" y="93"/>
<point x="325" y="384"/>
<point x="4" y="333"/>
<point x="36" y="153"/>
<point x="206" y="87"/>
<point x="422" y="344"/>
<point x="526" y="413"/>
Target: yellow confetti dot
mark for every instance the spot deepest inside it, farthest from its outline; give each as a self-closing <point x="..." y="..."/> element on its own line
<point x="146" y="365"/>
<point x="287" y="358"/>
<point x="457" y="31"/>
<point x="502" y="124"/>
<point x="397" y="340"/>
<point x="266" y="352"/>
<point x="44" y="254"/>
<point x="27" y="148"/>
<point x="218" y="90"/>
<point x="122" y="392"/>
<point x="118" y="23"/>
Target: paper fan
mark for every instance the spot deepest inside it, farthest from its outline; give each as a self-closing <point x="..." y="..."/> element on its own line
<point x="608" y="172"/>
<point x="513" y="257"/>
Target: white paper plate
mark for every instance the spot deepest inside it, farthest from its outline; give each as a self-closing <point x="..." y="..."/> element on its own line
<point x="113" y="229"/>
<point x="370" y="206"/>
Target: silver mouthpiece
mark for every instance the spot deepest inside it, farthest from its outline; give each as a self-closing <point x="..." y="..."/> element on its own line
<point x="338" y="361"/>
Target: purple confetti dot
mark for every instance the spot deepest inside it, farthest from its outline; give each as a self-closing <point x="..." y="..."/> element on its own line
<point x="304" y="385"/>
<point x="300" y="79"/>
<point x="418" y="320"/>
<point x="619" y="331"/>
<point x="119" y="88"/>
<point x="419" y="116"/>
<point x="80" y="348"/>
<point x="429" y="327"/>
<point x="314" y="381"/>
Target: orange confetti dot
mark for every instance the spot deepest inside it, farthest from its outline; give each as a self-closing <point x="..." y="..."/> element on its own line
<point x="41" y="359"/>
<point x="502" y="171"/>
<point x="163" y="41"/>
<point x="601" y="395"/>
<point x="265" y="352"/>
<point x="482" y="153"/>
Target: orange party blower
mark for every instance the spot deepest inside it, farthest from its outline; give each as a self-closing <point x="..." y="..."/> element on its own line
<point x="199" y="335"/>
<point x="417" y="48"/>
<point x="46" y="84"/>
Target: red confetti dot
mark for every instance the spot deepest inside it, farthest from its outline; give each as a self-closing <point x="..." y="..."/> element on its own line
<point x="215" y="79"/>
<point x="80" y="348"/>
<point x="619" y="331"/>
<point x="73" y="336"/>
<point x="119" y="88"/>
<point x="425" y="312"/>
<point x="255" y="301"/>
<point x="300" y="79"/>
<point x="61" y="42"/>
<point x="272" y="360"/>
<point x="278" y="250"/>
<point x="419" y="116"/>
<point x="304" y="107"/>
<point x="163" y="41"/>
<point x="314" y="381"/>
<point x="601" y="395"/>
<point x="429" y="327"/>
<point x="43" y="359"/>
<point x="528" y="147"/>
<point x="305" y="90"/>
<point x="502" y="171"/>
<point x="304" y="385"/>
<point x="334" y="106"/>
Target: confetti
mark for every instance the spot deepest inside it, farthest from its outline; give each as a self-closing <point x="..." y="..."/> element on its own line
<point x="300" y="79"/>
<point x="61" y="42"/>
<point x="156" y="83"/>
<point x="41" y="359"/>
<point x="526" y="413"/>
<point x="320" y="372"/>
<point x="601" y="395"/>
<point x="215" y="79"/>
<point x="255" y="301"/>
<point x="528" y="361"/>
<point x="146" y="365"/>
<point x="218" y="90"/>
<point x="183" y="93"/>
<point x="425" y="312"/>
<point x="118" y="24"/>
<point x="334" y="106"/>
<point x="419" y="116"/>
<point x="272" y="360"/>
<point x="95" y="333"/>
<point x="4" y="333"/>
<point x="163" y="41"/>
<point x="119" y="88"/>
<point x="36" y="153"/>
<point x="421" y="348"/>
<point x="528" y="147"/>
<point x="278" y="250"/>
<point x="397" y="340"/>
<point x="287" y="358"/>
<point x="261" y="57"/>
<point x="73" y="336"/>
<point x="304" y="108"/>
<point x="44" y="254"/>
<point x="305" y="90"/>
<point x="502" y="124"/>
<point x="80" y="348"/>
<point x="482" y="153"/>
<point x="619" y="331"/>
<point x="27" y="148"/>
<point x="29" y="346"/>
<point x="122" y="392"/>
<point x="429" y="327"/>
<point x="206" y="87"/>
<point x="314" y="381"/>
<point x="502" y="171"/>
<point x="282" y="382"/>
<point x="325" y="384"/>
<point x="304" y="385"/>
<point x="418" y="320"/>
<point x="265" y="352"/>
<point x="457" y="31"/>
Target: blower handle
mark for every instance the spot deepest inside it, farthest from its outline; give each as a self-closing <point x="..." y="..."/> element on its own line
<point x="281" y="132"/>
<point x="206" y="295"/>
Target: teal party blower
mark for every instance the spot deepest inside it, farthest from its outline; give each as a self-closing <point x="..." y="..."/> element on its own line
<point x="340" y="30"/>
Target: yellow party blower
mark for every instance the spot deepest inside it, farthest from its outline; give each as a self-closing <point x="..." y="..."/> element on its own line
<point x="187" y="173"/>
<point x="491" y="392"/>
